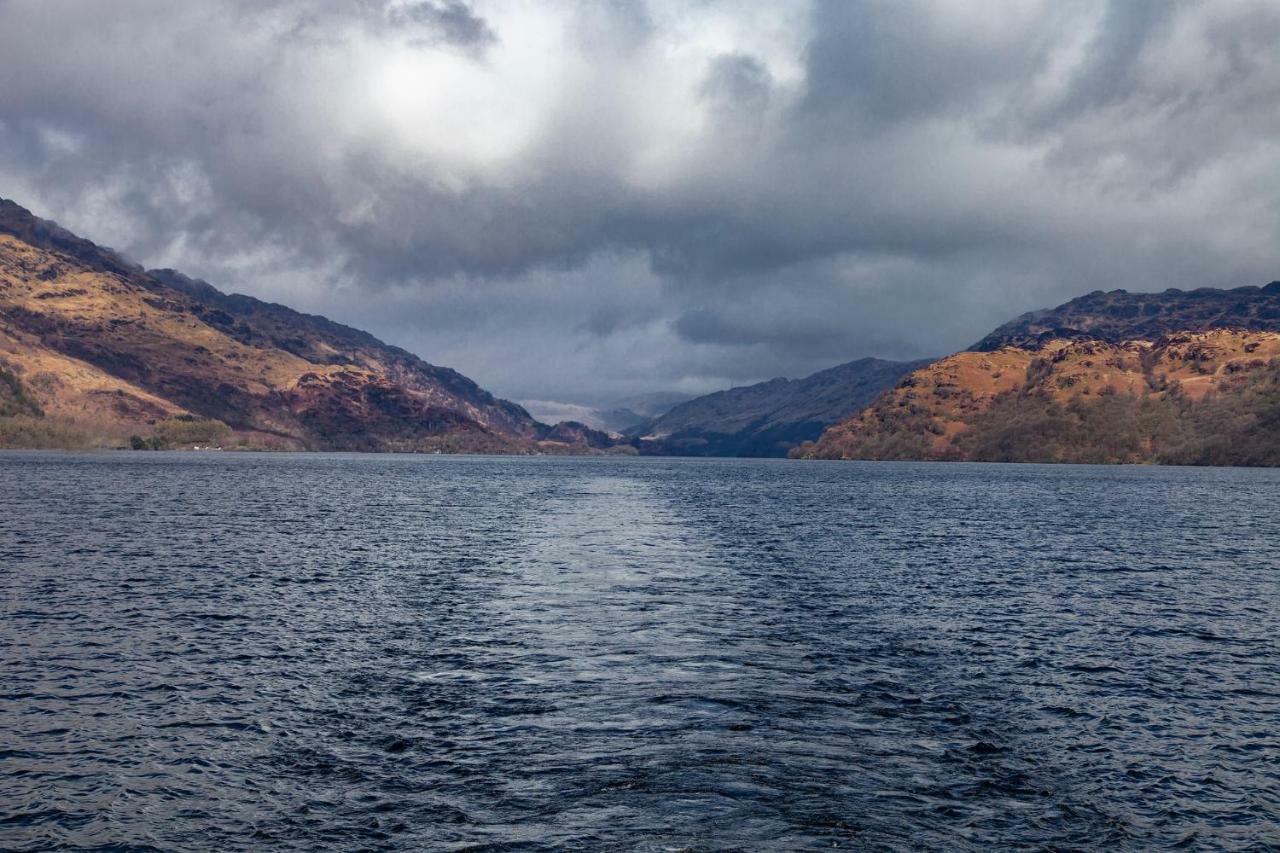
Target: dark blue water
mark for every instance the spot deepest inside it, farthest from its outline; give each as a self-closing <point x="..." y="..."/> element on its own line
<point x="241" y="651"/>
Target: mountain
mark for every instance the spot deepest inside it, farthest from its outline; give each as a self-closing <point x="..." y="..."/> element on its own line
<point x="770" y="418"/>
<point x="96" y="350"/>
<point x="615" y="417"/>
<point x="1120" y="316"/>
<point x="631" y="412"/>
<point x="1172" y="378"/>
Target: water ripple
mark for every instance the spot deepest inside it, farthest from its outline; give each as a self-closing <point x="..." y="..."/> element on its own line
<point x="305" y="651"/>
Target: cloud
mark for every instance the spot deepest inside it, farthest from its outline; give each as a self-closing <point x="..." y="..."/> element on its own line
<point x="575" y="200"/>
<point x="450" y="21"/>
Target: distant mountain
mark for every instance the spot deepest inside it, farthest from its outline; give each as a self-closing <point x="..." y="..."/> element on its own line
<point x="770" y="418"/>
<point x="1172" y="378"/>
<point x="96" y="350"/>
<point x="1119" y="316"/>
<point x="615" y="417"/>
<point x="630" y="412"/>
<point x="552" y="411"/>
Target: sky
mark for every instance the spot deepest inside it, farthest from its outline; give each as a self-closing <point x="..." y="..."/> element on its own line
<point x="585" y="200"/>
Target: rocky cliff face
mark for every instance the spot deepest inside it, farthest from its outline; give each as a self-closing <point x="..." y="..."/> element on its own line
<point x="100" y="344"/>
<point x="1201" y="397"/>
<point x="769" y="418"/>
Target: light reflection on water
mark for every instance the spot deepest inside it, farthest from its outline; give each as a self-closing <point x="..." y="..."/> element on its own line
<point x="301" y="651"/>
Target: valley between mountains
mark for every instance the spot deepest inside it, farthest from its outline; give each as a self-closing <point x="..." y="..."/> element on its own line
<point x="96" y="351"/>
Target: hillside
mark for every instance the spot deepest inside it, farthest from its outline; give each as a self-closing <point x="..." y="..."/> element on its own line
<point x="769" y="418"/>
<point x="97" y="351"/>
<point x="1201" y="397"/>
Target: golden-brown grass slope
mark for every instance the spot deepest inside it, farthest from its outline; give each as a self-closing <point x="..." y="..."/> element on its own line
<point x="1210" y="397"/>
<point x="97" y="343"/>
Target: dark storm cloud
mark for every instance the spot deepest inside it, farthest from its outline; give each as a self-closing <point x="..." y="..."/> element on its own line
<point x="454" y="21"/>
<point x="1110" y="72"/>
<point x="880" y="63"/>
<point x="737" y="83"/>
<point x="577" y="199"/>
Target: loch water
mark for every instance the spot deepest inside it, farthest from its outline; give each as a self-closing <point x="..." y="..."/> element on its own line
<point x="242" y="651"/>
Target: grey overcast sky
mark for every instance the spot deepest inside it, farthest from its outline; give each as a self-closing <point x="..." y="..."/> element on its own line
<point x="583" y="200"/>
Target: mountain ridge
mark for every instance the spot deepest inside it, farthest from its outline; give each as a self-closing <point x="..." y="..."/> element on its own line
<point x="768" y="418"/>
<point x="96" y="339"/>
<point x="1179" y="377"/>
<point x="1119" y="315"/>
